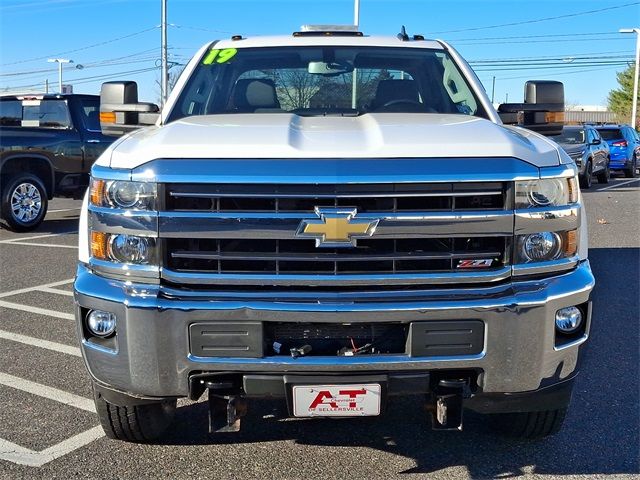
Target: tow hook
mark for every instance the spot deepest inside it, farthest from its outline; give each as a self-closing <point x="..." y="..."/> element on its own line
<point x="446" y="404"/>
<point x="225" y="411"/>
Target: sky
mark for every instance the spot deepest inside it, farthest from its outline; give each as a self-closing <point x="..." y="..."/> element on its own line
<point x="573" y="41"/>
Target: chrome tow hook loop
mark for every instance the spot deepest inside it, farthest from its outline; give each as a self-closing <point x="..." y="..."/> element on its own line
<point x="446" y="404"/>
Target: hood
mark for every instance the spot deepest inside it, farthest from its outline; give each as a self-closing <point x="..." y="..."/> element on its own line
<point x="573" y="149"/>
<point x="281" y="135"/>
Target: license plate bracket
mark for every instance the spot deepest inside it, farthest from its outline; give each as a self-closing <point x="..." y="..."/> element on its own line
<point x="336" y="396"/>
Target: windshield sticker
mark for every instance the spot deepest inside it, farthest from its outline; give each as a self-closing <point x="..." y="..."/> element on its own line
<point x="219" y="56"/>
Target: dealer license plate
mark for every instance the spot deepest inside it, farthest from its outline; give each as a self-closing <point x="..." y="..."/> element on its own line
<point x="336" y="400"/>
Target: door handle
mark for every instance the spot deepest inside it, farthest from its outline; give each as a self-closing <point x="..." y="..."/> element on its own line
<point x="93" y="141"/>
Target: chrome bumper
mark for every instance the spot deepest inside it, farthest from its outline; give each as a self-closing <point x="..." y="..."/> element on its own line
<point x="152" y="356"/>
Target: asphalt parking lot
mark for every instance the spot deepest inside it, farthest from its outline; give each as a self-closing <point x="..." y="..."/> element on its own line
<point x="48" y="428"/>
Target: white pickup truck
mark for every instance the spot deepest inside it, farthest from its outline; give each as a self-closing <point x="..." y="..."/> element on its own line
<point x="334" y="220"/>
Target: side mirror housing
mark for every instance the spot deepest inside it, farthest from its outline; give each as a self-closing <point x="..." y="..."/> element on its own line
<point x="120" y="111"/>
<point x="542" y="110"/>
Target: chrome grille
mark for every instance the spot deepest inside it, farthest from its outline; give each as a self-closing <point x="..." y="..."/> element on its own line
<point x="245" y="234"/>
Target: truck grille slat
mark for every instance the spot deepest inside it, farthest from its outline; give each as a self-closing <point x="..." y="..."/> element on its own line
<point x="366" y="198"/>
<point x="302" y="256"/>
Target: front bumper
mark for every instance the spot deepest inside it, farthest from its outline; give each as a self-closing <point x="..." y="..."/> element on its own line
<point x="153" y="359"/>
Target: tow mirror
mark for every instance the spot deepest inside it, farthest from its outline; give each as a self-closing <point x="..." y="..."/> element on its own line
<point x="542" y="110"/>
<point x="120" y="111"/>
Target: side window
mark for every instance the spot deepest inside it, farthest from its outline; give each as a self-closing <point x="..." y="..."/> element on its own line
<point x="46" y="114"/>
<point x="10" y="113"/>
<point x="90" y="111"/>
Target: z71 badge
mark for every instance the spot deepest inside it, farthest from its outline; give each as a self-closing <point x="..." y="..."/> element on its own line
<point x="480" y="263"/>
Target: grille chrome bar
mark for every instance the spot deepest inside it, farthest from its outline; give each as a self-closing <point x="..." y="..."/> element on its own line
<point x="283" y="225"/>
<point x="330" y="257"/>
<point x="336" y="280"/>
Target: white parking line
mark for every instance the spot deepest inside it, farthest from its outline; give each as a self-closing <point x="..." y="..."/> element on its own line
<point x="24" y="456"/>
<point x="38" y="342"/>
<point x="56" y="291"/>
<point x="45" y="391"/>
<point x="37" y="287"/>
<point x="618" y="185"/>
<point x="31" y="244"/>
<point x="22" y="239"/>
<point x="38" y="310"/>
<point x="64" y="210"/>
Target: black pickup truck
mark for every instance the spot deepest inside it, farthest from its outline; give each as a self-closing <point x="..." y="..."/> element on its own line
<point x="47" y="146"/>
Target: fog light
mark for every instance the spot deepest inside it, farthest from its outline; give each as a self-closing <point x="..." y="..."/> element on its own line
<point x="101" y="324"/>
<point x="568" y="319"/>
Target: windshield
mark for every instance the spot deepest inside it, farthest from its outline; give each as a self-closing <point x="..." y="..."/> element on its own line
<point x="326" y="81"/>
<point x="572" y="136"/>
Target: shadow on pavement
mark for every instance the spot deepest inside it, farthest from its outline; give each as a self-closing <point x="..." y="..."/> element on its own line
<point x="67" y="224"/>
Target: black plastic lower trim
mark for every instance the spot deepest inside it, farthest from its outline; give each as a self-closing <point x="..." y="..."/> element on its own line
<point x="548" y="398"/>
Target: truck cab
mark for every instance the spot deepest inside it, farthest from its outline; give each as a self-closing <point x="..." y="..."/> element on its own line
<point x="48" y="144"/>
<point x="333" y="220"/>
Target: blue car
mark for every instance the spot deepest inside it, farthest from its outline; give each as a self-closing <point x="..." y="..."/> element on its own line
<point x="590" y="152"/>
<point x="624" y="145"/>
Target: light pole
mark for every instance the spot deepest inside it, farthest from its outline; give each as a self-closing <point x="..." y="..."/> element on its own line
<point x="634" y="108"/>
<point x="356" y="23"/>
<point x="59" y="61"/>
<point x="164" y="81"/>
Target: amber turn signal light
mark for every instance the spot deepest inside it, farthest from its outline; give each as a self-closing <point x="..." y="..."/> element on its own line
<point x="99" y="245"/>
<point x="570" y="243"/>
<point x="96" y="193"/>
<point x="554" y="117"/>
<point x="107" y="117"/>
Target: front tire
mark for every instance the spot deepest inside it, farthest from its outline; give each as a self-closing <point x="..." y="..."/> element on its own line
<point x="529" y="425"/>
<point x="631" y="171"/>
<point x="135" y="423"/>
<point x="24" y="202"/>
<point x="605" y="175"/>
<point x="586" y="178"/>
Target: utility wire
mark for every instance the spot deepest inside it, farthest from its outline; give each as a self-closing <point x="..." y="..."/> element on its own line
<point x="82" y="48"/>
<point x="550" y="35"/>
<point x="565" y="40"/>
<point x="539" y="20"/>
<point x="90" y="79"/>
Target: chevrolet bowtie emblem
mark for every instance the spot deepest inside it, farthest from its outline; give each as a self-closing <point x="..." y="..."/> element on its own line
<point x="336" y="227"/>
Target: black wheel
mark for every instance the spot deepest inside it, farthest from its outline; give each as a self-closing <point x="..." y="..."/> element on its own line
<point x="631" y="171"/>
<point x="24" y="202"/>
<point x="604" y="175"/>
<point x="135" y="423"/>
<point x="586" y="178"/>
<point x="529" y="425"/>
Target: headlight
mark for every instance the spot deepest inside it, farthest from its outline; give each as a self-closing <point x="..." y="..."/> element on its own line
<point x="541" y="246"/>
<point x="123" y="194"/>
<point x="545" y="246"/>
<point x="130" y="249"/>
<point x="546" y="192"/>
<point x="122" y="248"/>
